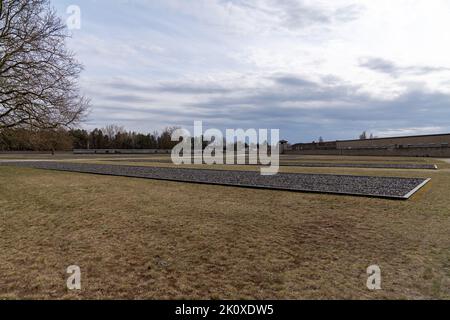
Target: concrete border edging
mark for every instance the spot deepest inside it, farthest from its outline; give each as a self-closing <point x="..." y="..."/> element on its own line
<point x="413" y="191"/>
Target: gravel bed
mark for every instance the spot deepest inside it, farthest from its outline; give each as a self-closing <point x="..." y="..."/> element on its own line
<point x="318" y="164"/>
<point x="362" y="165"/>
<point x="385" y="187"/>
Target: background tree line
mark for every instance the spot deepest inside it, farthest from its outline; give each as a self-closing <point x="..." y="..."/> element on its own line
<point x="115" y="137"/>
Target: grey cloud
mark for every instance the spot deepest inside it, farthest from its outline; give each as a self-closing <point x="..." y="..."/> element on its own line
<point x="293" y="81"/>
<point x="287" y="89"/>
<point x="126" y="86"/>
<point x="303" y="110"/>
<point x="127" y="98"/>
<point x="392" y="69"/>
<point x="170" y="87"/>
<point x="341" y="111"/>
<point x="379" y="65"/>
<point x="348" y="13"/>
<point x="299" y="14"/>
<point x="191" y="89"/>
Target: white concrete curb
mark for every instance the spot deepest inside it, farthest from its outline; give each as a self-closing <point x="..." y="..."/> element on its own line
<point x="409" y="194"/>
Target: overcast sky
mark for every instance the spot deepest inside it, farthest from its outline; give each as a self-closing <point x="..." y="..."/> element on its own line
<point x="310" y="68"/>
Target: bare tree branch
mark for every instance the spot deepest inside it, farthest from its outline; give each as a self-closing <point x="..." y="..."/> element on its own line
<point x="38" y="75"/>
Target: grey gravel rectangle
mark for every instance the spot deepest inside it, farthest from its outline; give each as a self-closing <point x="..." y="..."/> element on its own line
<point x="316" y="164"/>
<point x="362" y="165"/>
<point x="384" y="187"/>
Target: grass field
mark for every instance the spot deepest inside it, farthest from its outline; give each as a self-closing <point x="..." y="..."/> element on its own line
<point x="136" y="238"/>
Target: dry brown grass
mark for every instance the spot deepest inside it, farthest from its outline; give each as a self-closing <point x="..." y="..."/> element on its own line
<point x="136" y="238"/>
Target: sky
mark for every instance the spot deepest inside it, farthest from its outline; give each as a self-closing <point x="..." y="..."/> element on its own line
<point x="312" y="69"/>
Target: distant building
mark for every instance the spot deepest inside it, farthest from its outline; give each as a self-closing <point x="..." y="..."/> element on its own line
<point x="432" y="145"/>
<point x="325" y="145"/>
<point x="284" y="146"/>
<point x="420" y="141"/>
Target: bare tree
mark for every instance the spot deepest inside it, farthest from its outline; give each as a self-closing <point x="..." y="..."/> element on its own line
<point x="111" y="130"/>
<point x="38" y="75"/>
